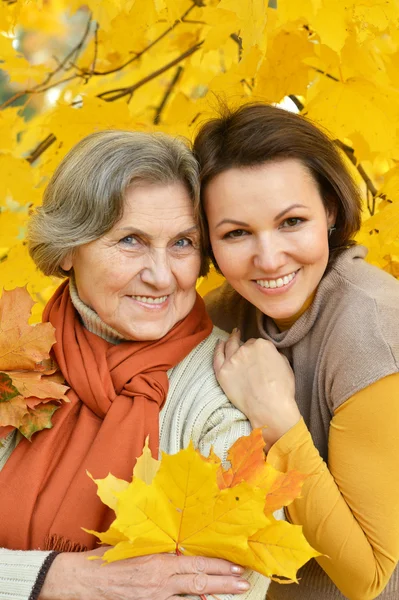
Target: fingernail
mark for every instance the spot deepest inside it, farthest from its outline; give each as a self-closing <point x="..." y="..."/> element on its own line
<point x="237" y="570"/>
<point x="242" y="585"/>
<point x="235" y="330"/>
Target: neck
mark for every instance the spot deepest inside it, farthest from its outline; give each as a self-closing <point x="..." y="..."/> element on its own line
<point x="284" y="324"/>
<point x="90" y="318"/>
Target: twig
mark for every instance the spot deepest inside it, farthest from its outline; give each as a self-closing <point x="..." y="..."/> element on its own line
<point x="350" y="153"/>
<point x="236" y="38"/>
<point x="370" y="187"/>
<point x="43" y="87"/>
<point x="297" y="102"/>
<point x="140" y="54"/>
<point x="168" y="92"/>
<point x="73" y="53"/>
<point x="326" y="74"/>
<point x="116" y="94"/>
<point x="42" y="147"/>
<point x="93" y="64"/>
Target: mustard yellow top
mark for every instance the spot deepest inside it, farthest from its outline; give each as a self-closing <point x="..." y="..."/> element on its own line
<point x="344" y="513"/>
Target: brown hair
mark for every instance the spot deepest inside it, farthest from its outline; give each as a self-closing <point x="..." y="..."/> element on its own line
<point x="257" y="133"/>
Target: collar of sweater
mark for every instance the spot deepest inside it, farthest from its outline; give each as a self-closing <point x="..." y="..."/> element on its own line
<point x="283" y="337"/>
<point x="90" y="318"/>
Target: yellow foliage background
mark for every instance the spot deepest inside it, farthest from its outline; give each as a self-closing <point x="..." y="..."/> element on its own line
<point x="74" y="66"/>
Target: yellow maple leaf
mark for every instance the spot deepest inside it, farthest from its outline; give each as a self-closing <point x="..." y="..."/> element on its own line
<point x="285" y="70"/>
<point x="184" y="511"/>
<point x="17" y="180"/>
<point x="345" y="108"/>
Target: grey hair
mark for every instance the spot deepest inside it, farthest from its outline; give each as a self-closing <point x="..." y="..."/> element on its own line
<point x="85" y="196"/>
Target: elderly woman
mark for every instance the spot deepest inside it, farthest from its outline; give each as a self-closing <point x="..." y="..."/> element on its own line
<point x="135" y="345"/>
<point x="282" y="211"/>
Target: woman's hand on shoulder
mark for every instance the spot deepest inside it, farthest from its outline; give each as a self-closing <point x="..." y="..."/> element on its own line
<point x="259" y="381"/>
<point x="156" y="577"/>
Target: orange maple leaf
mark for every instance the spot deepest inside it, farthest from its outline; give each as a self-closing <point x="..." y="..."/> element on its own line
<point x="22" y="346"/>
<point x="28" y="387"/>
<point x="249" y="463"/>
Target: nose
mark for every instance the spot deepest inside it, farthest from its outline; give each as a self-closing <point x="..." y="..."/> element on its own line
<point x="269" y="253"/>
<point x="157" y="271"/>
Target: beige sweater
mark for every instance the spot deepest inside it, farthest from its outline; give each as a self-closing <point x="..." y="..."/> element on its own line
<point x="344" y="350"/>
<point x="196" y="409"/>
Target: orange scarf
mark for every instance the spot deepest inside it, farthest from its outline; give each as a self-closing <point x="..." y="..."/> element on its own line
<point x="116" y="394"/>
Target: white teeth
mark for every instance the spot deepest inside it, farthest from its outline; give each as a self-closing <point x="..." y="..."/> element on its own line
<point x="149" y="300"/>
<point x="276" y="283"/>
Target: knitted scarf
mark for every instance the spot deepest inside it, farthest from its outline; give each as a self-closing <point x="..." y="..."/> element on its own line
<point x="116" y="394"/>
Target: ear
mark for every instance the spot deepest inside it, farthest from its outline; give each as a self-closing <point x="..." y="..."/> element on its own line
<point x="67" y="262"/>
<point x="331" y="213"/>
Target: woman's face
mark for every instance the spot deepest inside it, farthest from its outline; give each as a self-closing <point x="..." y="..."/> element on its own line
<point x="269" y="233"/>
<point x="140" y="276"/>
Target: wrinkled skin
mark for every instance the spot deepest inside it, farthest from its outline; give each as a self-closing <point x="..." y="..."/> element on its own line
<point x="154" y="577"/>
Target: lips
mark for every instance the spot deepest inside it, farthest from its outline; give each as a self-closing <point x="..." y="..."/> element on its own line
<point x="150" y="299"/>
<point x="276" y="283"/>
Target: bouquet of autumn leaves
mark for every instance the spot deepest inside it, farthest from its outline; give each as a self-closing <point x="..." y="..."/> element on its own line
<point x="31" y="387"/>
<point x="188" y="504"/>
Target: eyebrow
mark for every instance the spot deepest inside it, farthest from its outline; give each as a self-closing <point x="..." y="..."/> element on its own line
<point x="142" y="233"/>
<point x="286" y="210"/>
<point x="232" y="222"/>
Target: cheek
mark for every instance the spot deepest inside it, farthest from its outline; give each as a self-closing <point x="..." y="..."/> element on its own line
<point x="232" y="259"/>
<point x="314" y="248"/>
<point x="187" y="272"/>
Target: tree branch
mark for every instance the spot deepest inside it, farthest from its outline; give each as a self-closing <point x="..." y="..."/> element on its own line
<point x="370" y="187"/>
<point x="168" y="92"/>
<point x="116" y="94"/>
<point x="350" y="153"/>
<point x="236" y="38"/>
<point x="42" y="147"/>
<point x="297" y="102"/>
<point x="156" y="41"/>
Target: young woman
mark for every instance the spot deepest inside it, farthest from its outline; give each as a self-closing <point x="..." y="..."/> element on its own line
<point x="320" y="363"/>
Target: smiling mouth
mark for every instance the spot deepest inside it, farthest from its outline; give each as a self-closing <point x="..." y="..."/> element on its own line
<point x="150" y="299"/>
<point x="276" y="283"/>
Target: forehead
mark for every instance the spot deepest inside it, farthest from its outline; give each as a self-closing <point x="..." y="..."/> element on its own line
<point x="270" y="183"/>
<point x="157" y="204"/>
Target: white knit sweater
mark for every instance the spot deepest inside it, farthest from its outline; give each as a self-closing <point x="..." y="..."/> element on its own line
<point x="196" y="409"/>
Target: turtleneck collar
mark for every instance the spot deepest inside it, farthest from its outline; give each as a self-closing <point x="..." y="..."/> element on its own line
<point x="90" y="318"/>
<point x="284" y="324"/>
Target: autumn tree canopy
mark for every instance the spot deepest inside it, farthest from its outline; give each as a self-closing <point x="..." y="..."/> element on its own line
<point x="73" y="66"/>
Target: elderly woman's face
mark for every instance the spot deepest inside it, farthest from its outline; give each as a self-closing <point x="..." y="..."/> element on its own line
<point x="140" y="276"/>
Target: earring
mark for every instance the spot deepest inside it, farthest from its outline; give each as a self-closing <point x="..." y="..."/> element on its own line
<point x="331" y="230"/>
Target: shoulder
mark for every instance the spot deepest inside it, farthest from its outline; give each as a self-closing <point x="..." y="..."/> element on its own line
<point x="360" y="326"/>
<point x="198" y="364"/>
<point x="196" y="408"/>
<point x="365" y="298"/>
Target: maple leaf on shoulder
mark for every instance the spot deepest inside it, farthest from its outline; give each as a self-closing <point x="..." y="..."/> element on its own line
<point x="31" y="388"/>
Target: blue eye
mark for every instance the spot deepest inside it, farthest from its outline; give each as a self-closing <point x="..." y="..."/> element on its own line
<point x="129" y="240"/>
<point x="183" y="243"/>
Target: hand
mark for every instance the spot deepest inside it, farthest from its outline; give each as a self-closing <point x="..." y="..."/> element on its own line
<point x="259" y="381"/>
<point x="154" y="577"/>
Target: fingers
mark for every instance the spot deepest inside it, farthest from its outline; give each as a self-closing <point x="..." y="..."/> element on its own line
<point x="185" y="565"/>
<point x="232" y="344"/>
<point x="219" y="356"/>
<point x="201" y="583"/>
